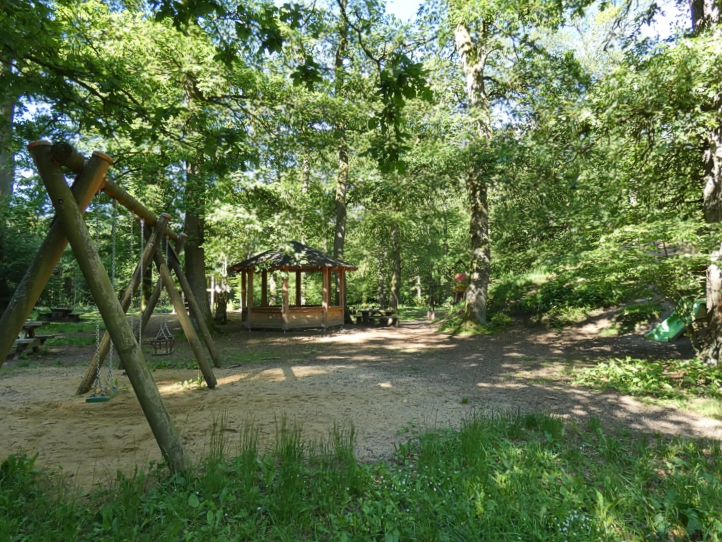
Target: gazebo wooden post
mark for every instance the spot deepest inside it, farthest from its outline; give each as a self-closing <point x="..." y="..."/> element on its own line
<point x="342" y="289"/>
<point x="264" y="288"/>
<point x="251" y="270"/>
<point x="298" y="288"/>
<point x="284" y="296"/>
<point x="325" y="280"/>
<point x="244" y="304"/>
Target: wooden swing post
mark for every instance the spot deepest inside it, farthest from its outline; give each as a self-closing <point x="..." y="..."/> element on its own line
<point x="174" y="263"/>
<point x="65" y="154"/>
<point x="86" y="254"/>
<point x="155" y="296"/>
<point x="184" y="319"/>
<point x="40" y="270"/>
<point x="145" y="259"/>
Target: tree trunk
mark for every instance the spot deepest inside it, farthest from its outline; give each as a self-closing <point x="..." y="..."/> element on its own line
<point x="713" y="344"/>
<point x="7" y="160"/>
<point x="381" y="284"/>
<point x="195" y="265"/>
<point x="7" y="177"/>
<point x="339" y="237"/>
<point x="706" y="15"/>
<point x="396" y="275"/>
<point x="476" y="294"/>
<point x="473" y="60"/>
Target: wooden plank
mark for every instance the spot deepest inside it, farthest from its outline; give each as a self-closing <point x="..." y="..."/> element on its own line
<point x="298" y="288"/>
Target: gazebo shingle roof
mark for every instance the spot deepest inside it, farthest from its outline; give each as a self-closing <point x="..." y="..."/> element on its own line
<point x="299" y="258"/>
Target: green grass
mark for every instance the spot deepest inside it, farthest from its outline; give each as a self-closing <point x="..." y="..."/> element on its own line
<point x="663" y="379"/>
<point x="454" y="324"/>
<point x="682" y="384"/>
<point x="513" y="477"/>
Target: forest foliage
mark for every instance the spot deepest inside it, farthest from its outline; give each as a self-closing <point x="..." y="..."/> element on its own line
<point x="239" y="114"/>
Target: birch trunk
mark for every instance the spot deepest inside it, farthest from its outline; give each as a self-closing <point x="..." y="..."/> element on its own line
<point x="473" y="61"/>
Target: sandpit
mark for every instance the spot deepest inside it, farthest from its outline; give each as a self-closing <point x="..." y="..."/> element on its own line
<point x="388" y="383"/>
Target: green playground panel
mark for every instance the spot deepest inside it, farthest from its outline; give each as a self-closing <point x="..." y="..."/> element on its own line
<point x="674" y="326"/>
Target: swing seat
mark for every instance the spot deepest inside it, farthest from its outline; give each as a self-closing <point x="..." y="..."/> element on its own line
<point x="102" y="397"/>
<point x="162" y="346"/>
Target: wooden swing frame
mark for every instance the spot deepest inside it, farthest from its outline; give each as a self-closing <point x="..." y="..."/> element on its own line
<point x="69" y="227"/>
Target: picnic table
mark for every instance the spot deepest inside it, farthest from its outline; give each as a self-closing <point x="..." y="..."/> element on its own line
<point x="377" y="316"/>
<point x="29" y="339"/>
<point x="60" y="314"/>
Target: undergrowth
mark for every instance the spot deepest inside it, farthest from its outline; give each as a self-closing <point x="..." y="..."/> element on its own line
<point x="511" y="477"/>
<point x="455" y="324"/>
<point x="664" y="379"/>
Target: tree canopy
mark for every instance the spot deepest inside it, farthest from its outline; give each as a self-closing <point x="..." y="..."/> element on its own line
<point x="505" y="141"/>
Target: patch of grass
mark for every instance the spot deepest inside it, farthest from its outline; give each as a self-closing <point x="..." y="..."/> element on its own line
<point x="560" y="317"/>
<point x="464" y="400"/>
<point x="510" y="477"/>
<point x="663" y="379"/>
<point x="454" y="324"/>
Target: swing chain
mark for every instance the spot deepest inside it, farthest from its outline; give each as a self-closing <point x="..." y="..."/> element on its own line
<point x="97" y="389"/>
<point x="140" y="289"/>
<point x="110" y="381"/>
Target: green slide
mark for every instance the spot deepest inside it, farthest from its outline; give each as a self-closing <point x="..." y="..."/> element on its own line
<point x="674" y="326"/>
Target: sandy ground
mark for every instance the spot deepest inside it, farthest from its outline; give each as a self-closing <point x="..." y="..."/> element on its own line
<point x="389" y="383"/>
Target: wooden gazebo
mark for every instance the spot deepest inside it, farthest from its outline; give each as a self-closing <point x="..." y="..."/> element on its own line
<point x="300" y="259"/>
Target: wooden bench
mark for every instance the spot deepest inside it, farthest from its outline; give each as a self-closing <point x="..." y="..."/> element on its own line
<point x="34" y="343"/>
<point x="23" y="344"/>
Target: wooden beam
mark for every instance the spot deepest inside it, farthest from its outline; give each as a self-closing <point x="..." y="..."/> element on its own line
<point x="64" y="154"/>
<point x="250" y="296"/>
<point x="99" y="284"/>
<point x="342" y="287"/>
<point x="264" y="288"/>
<point x="184" y="319"/>
<point x="104" y="347"/>
<point x="244" y="303"/>
<point x="195" y="309"/>
<point x="41" y="269"/>
<point x="298" y="288"/>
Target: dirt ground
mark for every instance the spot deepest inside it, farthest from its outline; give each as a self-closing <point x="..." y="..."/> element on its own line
<point x="389" y="383"/>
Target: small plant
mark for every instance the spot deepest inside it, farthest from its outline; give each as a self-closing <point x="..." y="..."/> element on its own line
<point x="464" y="400"/>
